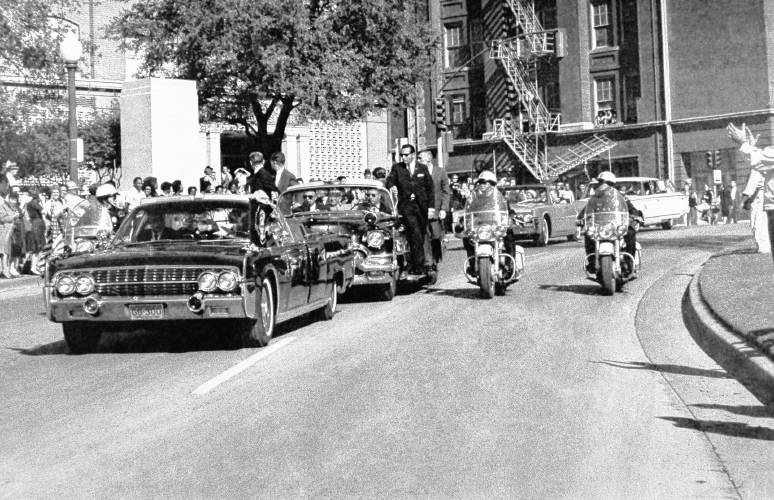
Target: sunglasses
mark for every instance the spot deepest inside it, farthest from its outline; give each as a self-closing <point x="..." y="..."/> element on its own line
<point x="308" y="197"/>
<point x="406" y="154"/>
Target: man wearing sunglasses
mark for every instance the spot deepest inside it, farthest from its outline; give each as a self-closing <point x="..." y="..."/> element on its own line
<point x="311" y="203"/>
<point x="416" y="200"/>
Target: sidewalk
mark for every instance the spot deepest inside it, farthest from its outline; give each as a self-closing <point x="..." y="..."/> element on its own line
<point x="731" y="301"/>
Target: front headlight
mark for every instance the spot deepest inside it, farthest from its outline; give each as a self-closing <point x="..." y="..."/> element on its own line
<point x="82" y="246"/>
<point x="207" y="281"/>
<point x="485" y="233"/>
<point x="227" y="281"/>
<point x="527" y="218"/>
<point x="607" y="231"/>
<point x="375" y="239"/>
<point x="500" y="231"/>
<point x="622" y="229"/>
<point x="84" y="284"/>
<point x="591" y="232"/>
<point x="65" y="285"/>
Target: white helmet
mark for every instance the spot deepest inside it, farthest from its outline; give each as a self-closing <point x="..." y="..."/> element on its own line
<point x="606" y="176"/>
<point x="106" y="190"/>
<point x="487" y="176"/>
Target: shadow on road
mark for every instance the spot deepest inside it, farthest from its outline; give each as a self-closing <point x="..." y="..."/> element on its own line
<point x="747" y="411"/>
<point x="579" y="289"/>
<point x="666" y="368"/>
<point x="734" y="429"/>
<point x="164" y="339"/>
<point x="471" y="292"/>
<point x="712" y="243"/>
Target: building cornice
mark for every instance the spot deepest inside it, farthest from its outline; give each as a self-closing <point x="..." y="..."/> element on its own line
<point x="80" y="83"/>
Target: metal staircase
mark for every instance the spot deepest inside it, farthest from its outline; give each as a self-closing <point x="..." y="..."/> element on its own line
<point x="519" y="56"/>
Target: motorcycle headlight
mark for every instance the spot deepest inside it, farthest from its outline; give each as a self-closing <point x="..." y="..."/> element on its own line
<point x="607" y="231"/>
<point x="207" y="281"/>
<point x="500" y="231"/>
<point x="227" y="281"/>
<point x="82" y="246"/>
<point x="592" y="231"/>
<point x="485" y="233"/>
<point x="527" y="218"/>
<point x="375" y="239"/>
<point x="84" y="284"/>
<point x="622" y="229"/>
<point x="65" y="285"/>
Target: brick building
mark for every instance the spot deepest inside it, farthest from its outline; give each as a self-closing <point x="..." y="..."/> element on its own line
<point x="659" y="78"/>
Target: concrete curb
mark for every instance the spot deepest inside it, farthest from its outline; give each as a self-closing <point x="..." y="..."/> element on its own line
<point x="21" y="281"/>
<point x="745" y="360"/>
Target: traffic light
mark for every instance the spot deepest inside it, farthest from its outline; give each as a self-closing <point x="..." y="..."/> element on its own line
<point x="718" y="163"/>
<point x="440" y="113"/>
<point x="710" y="160"/>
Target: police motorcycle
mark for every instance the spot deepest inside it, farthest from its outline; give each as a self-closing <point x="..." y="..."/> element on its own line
<point x="490" y="263"/>
<point x="86" y="227"/>
<point x="606" y="221"/>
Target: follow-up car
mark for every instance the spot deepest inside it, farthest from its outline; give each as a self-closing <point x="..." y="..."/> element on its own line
<point x="362" y="211"/>
<point x="226" y="261"/>
<point x="541" y="212"/>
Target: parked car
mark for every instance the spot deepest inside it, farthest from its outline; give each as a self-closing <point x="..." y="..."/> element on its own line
<point x="226" y="260"/>
<point x="540" y="212"/>
<point x="659" y="203"/>
<point x="366" y="214"/>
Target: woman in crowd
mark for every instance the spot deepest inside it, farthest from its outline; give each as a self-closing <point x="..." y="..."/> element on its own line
<point x="36" y="237"/>
<point x="53" y="214"/>
<point x="17" y="237"/>
<point x="7" y="218"/>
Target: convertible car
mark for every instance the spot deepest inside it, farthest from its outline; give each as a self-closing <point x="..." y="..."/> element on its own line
<point x="364" y="213"/>
<point x="222" y="260"/>
<point x="540" y="212"/>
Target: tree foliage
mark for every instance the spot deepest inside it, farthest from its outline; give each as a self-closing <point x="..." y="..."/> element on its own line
<point x="254" y="59"/>
<point x="30" y="32"/>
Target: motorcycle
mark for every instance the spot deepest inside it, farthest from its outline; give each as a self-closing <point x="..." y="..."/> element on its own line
<point x="485" y="226"/>
<point x="607" y="221"/>
<point x="81" y="232"/>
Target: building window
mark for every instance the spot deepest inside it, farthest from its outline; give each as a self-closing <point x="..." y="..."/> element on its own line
<point x="605" y="105"/>
<point x="458" y="110"/>
<point x="452" y="41"/>
<point x="601" y="19"/>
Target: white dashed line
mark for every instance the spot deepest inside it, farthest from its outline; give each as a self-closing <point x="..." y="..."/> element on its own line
<point x="241" y="366"/>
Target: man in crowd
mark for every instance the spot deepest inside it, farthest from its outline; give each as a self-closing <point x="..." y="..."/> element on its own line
<point x="207" y="181"/>
<point x="132" y="197"/>
<point x="416" y="201"/>
<point x="70" y="197"/>
<point x="437" y="221"/>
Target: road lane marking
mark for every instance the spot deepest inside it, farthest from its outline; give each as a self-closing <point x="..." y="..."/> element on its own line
<point x="241" y="366"/>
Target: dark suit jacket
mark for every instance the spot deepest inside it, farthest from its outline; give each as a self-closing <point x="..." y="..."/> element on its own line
<point x="286" y="179"/>
<point x="166" y="234"/>
<point x="420" y="185"/>
<point x="263" y="180"/>
<point x="442" y="189"/>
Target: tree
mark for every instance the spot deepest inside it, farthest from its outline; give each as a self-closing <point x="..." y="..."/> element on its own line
<point x="258" y="59"/>
<point x="30" y="32"/>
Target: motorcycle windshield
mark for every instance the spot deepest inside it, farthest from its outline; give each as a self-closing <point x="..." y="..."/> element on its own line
<point x="84" y="220"/>
<point x="485" y="206"/>
<point x="607" y="206"/>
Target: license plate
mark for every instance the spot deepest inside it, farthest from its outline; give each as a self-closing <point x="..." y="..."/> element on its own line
<point x="146" y="311"/>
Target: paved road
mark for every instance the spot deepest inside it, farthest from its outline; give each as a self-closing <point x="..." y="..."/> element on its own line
<point x="554" y="391"/>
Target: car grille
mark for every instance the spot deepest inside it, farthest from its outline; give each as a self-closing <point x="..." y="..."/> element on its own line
<point x="147" y="280"/>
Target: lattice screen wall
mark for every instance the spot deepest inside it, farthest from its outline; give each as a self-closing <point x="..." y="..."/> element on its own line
<point x="337" y="149"/>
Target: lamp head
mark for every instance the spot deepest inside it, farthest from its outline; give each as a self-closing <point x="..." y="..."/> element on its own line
<point x="70" y="49"/>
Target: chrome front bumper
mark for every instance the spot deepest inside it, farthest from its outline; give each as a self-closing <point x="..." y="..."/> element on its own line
<point x="116" y="309"/>
<point x="374" y="274"/>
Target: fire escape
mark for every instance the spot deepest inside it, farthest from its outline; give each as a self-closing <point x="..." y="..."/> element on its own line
<point x="527" y="136"/>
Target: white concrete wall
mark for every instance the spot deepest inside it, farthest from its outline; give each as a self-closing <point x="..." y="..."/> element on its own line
<point x="160" y="132"/>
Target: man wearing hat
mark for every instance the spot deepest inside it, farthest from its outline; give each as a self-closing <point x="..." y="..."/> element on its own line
<point x="12" y="173"/>
<point x="71" y="198"/>
<point x="762" y="161"/>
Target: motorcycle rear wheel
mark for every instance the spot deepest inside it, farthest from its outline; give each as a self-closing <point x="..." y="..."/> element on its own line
<point x="485" y="279"/>
<point x="606" y="277"/>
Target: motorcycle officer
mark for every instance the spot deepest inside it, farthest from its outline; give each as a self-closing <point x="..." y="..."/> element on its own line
<point x="486" y="179"/>
<point x="606" y="181"/>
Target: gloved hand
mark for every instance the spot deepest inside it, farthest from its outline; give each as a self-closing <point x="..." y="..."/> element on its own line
<point x="442" y="214"/>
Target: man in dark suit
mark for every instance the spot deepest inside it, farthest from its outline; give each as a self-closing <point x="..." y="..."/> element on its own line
<point x="283" y="177"/>
<point x="155" y="229"/>
<point x="416" y="200"/>
<point x="263" y="176"/>
<point x="310" y="203"/>
<point x="442" y="189"/>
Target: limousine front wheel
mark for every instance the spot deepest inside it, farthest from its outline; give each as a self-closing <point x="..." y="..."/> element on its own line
<point x="258" y="332"/>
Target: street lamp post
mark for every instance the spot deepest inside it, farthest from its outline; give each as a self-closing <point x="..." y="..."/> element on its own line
<point x="70" y="50"/>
